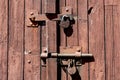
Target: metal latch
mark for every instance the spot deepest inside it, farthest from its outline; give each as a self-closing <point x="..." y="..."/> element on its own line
<point x="70" y="60"/>
<point x="65" y="55"/>
<point x="65" y="18"/>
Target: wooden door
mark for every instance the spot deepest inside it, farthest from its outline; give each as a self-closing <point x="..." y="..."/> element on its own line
<point x="95" y="30"/>
<point x="55" y="39"/>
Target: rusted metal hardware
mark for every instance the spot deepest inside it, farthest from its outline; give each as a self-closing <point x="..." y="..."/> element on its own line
<point x="63" y="55"/>
<point x="72" y="67"/>
<point x="70" y="60"/>
<point x="65" y="21"/>
<point x="34" y="18"/>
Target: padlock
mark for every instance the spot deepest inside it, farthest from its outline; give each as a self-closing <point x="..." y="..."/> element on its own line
<point x="65" y="21"/>
<point x="72" y="68"/>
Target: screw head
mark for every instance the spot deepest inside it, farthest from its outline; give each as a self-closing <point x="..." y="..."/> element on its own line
<point x="29" y="52"/>
<point x="29" y="61"/>
<point x="67" y="9"/>
<point x="45" y="50"/>
<point x="31" y="13"/>
<point x="78" y="50"/>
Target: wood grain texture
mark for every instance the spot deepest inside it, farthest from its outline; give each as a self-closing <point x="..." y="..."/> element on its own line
<point x="112" y="2"/>
<point x="63" y="38"/>
<point x="116" y="28"/>
<point x="16" y="36"/>
<point x="50" y="6"/>
<point x="96" y="39"/>
<point x="112" y="39"/>
<point x="43" y="46"/>
<point x="3" y="39"/>
<point x="52" y="47"/>
<point x="43" y="41"/>
<point x="32" y="44"/>
<point x="72" y="37"/>
<point x="63" y="41"/>
<point x="109" y="36"/>
<point x="83" y="34"/>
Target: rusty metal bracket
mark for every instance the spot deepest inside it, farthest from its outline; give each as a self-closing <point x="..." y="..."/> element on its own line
<point x="34" y="18"/>
<point x="69" y="60"/>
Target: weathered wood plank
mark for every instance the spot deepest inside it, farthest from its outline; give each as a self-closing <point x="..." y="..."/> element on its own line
<point x="52" y="47"/>
<point x="43" y="44"/>
<point x="109" y="37"/>
<point x="112" y="2"/>
<point x="96" y="39"/>
<point x="83" y="34"/>
<point x="50" y="6"/>
<point x="116" y="28"/>
<point x="16" y="37"/>
<point x="43" y="47"/>
<point x="72" y="37"/>
<point x="63" y="41"/>
<point x="62" y="34"/>
<point x="3" y="39"/>
<point x="32" y="44"/>
<point x="72" y="31"/>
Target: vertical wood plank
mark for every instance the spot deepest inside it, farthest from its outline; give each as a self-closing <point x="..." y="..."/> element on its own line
<point x="96" y="39"/>
<point x="32" y="44"/>
<point x="3" y="39"/>
<point x="72" y="40"/>
<point x="83" y="34"/>
<point x="50" y="6"/>
<point x="63" y="41"/>
<point x="62" y="34"/>
<point x="16" y="37"/>
<point x="43" y="45"/>
<point x="116" y="28"/>
<point x="109" y="36"/>
<point x="112" y="2"/>
<point x="52" y="47"/>
<point x="43" y="41"/>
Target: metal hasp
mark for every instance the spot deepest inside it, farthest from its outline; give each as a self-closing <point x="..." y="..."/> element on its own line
<point x="66" y="55"/>
<point x="34" y="19"/>
<point x="73" y="59"/>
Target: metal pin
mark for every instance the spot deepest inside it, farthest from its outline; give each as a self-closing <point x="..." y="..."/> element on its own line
<point x="78" y="50"/>
<point x="29" y="61"/>
<point x="31" y="13"/>
<point x="67" y="9"/>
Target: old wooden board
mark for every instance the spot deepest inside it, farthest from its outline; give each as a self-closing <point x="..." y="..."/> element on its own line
<point x="109" y="42"/>
<point x="16" y="37"/>
<point x="96" y="39"/>
<point x="3" y="39"/>
<point x="72" y="31"/>
<point x="32" y="44"/>
<point x="62" y="41"/>
<point x="112" y="2"/>
<point x="116" y="38"/>
<point x="51" y="65"/>
<point x="111" y="38"/>
<point x="50" y="6"/>
<point x="83" y="35"/>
